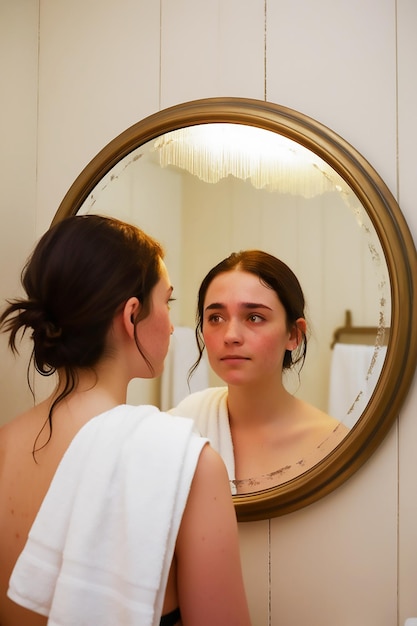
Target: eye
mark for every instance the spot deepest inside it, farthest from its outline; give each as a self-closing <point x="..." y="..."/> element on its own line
<point x="169" y="302"/>
<point x="255" y="318"/>
<point x="214" y="318"/>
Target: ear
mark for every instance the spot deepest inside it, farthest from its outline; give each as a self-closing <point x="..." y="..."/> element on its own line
<point x="298" y="330"/>
<point x="130" y="311"/>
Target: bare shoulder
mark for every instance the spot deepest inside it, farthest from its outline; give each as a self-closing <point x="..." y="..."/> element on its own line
<point x="8" y="432"/>
<point x="210" y="484"/>
<point x="322" y="421"/>
<point x="18" y="431"/>
<point x="210" y="479"/>
<point x="5" y="431"/>
<point x="14" y="446"/>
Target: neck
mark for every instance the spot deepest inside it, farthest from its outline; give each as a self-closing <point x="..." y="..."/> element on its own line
<point x="255" y="406"/>
<point x="100" y="389"/>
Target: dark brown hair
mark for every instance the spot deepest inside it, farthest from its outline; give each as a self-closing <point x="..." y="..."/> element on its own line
<point x="274" y="274"/>
<point x="81" y="272"/>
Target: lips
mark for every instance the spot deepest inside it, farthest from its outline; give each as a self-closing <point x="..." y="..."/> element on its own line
<point x="234" y="357"/>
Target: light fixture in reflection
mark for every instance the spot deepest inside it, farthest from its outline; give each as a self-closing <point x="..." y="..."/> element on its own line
<point x="268" y="160"/>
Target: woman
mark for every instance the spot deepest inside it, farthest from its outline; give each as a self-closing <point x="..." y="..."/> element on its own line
<point x="251" y="320"/>
<point x="129" y="512"/>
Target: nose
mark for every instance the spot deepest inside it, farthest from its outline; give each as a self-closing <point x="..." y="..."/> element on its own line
<point x="172" y="328"/>
<point x="232" y="333"/>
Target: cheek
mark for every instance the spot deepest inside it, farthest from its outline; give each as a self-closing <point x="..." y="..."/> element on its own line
<point x="159" y="327"/>
<point x="165" y="324"/>
<point x="162" y="335"/>
<point x="273" y="346"/>
<point x="210" y="338"/>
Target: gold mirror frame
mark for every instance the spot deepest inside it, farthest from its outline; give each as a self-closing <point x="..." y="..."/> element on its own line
<point x="396" y="242"/>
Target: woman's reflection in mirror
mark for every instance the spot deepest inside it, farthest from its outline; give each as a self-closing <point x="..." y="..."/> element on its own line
<point x="128" y="509"/>
<point x="250" y="319"/>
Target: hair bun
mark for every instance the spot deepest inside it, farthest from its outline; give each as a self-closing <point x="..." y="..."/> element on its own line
<point x="52" y="331"/>
<point x="43" y="328"/>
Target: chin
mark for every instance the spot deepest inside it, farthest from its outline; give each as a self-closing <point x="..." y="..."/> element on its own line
<point x="235" y="380"/>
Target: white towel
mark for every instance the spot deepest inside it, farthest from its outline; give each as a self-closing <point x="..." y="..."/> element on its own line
<point x="182" y="354"/>
<point x="100" y="549"/>
<point x="354" y="372"/>
<point x="208" y="409"/>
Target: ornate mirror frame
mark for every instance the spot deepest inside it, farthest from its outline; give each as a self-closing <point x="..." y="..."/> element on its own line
<point x="396" y="242"/>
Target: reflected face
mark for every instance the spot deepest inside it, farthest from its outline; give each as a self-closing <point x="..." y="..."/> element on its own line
<point x="245" y="329"/>
<point x="155" y="330"/>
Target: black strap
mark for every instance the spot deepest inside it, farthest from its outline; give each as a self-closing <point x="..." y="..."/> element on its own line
<point x="170" y="619"/>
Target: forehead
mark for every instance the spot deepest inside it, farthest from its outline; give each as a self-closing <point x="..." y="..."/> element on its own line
<point x="239" y="286"/>
<point x="164" y="282"/>
<point x="163" y="271"/>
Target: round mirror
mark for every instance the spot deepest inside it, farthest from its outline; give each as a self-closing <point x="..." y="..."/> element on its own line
<point x="285" y="184"/>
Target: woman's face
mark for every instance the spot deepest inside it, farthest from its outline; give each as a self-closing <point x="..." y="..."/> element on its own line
<point x="155" y="330"/>
<point x="245" y="329"/>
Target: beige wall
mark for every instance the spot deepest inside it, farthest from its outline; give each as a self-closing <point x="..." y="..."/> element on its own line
<point x="100" y="66"/>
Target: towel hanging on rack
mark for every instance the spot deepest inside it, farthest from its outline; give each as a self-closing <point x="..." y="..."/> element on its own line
<point x="181" y="356"/>
<point x="354" y="372"/>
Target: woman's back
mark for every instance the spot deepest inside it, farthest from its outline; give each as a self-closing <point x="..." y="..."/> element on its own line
<point x="23" y="485"/>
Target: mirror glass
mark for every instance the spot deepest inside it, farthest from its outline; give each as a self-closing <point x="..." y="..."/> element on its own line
<point x="282" y="183"/>
<point x="292" y="205"/>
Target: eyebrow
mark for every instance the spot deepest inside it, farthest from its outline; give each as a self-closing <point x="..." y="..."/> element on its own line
<point x="243" y="305"/>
